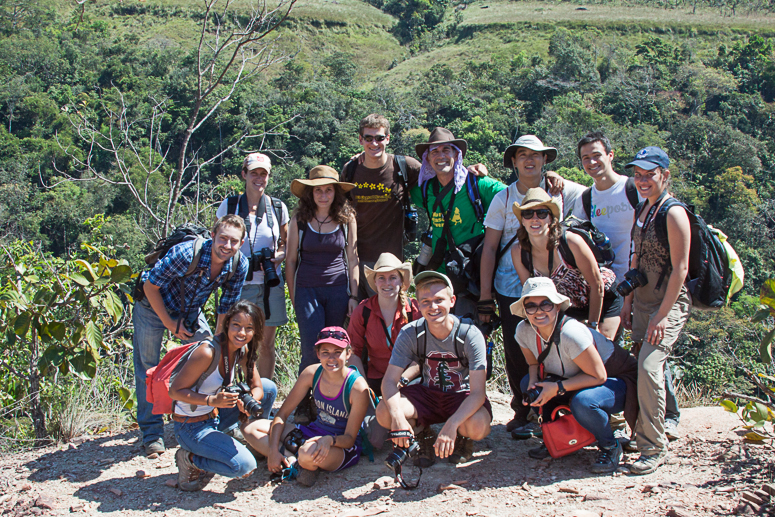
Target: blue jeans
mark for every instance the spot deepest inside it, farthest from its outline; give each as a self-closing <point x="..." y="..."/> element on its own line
<point x="316" y="309"/>
<point x="146" y="349"/>
<point x="592" y="407"/>
<point x="213" y="450"/>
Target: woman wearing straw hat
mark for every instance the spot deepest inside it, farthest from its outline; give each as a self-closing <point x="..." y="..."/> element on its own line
<point x="321" y="264"/>
<point x="375" y="324"/>
<point x="575" y="365"/>
<point x="544" y="249"/>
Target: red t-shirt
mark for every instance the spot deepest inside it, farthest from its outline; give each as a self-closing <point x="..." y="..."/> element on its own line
<point x="373" y="336"/>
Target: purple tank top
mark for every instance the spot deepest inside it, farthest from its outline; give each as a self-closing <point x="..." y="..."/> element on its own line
<point x="332" y="413"/>
<point x="322" y="258"/>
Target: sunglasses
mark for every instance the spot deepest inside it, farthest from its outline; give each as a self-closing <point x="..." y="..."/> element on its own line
<point x="333" y="334"/>
<point x="542" y="213"/>
<point x="371" y="138"/>
<point x="532" y="308"/>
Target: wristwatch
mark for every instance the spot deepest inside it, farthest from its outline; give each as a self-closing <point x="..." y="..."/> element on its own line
<point x="560" y="389"/>
<point x="403" y="382"/>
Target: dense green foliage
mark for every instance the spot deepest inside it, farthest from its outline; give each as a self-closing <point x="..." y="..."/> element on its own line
<point x="704" y="95"/>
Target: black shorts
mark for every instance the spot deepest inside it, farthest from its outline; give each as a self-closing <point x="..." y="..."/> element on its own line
<point x="612" y="308"/>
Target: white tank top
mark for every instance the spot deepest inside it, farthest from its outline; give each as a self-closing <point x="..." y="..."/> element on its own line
<point x="210" y="386"/>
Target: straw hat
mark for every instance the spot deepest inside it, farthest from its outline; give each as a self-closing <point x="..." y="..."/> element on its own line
<point x="441" y="136"/>
<point x="388" y="262"/>
<point x="319" y="175"/>
<point x="531" y="142"/>
<point x="539" y="286"/>
<point x="534" y="198"/>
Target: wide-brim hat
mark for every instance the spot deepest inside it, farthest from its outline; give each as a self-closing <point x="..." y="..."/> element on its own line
<point x="388" y="262"/>
<point x="441" y="136"/>
<point x="319" y="175"/>
<point x="534" y="198"/>
<point x="539" y="286"/>
<point x="528" y="142"/>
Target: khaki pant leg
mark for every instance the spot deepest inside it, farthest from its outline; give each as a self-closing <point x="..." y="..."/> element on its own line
<point x="650" y="429"/>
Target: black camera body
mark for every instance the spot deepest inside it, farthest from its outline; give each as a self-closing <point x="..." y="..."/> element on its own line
<point x="252" y="406"/>
<point x="263" y="260"/>
<point x="293" y="441"/>
<point x="191" y="323"/>
<point x="410" y="223"/>
<point x="632" y="280"/>
<point x="530" y="396"/>
<point x="398" y="457"/>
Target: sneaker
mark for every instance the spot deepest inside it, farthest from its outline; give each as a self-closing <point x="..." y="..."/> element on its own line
<point x="528" y="430"/>
<point x="427" y="454"/>
<point x="607" y="459"/>
<point x="236" y="433"/>
<point x="628" y="444"/>
<point x="464" y="450"/>
<point x="154" y="448"/>
<point x="307" y="477"/>
<point x="188" y="473"/>
<point x="539" y="453"/>
<point x="671" y="430"/>
<point x="648" y="463"/>
<point x="515" y="423"/>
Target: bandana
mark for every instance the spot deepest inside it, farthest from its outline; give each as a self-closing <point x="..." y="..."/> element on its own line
<point x="427" y="172"/>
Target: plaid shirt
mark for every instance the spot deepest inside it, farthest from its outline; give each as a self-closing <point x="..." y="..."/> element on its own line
<point x="167" y="272"/>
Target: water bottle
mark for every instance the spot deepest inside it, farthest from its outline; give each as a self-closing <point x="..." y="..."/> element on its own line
<point x="410" y="224"/>
<point x="490" y="345"/>
<point x="426" y="250"/>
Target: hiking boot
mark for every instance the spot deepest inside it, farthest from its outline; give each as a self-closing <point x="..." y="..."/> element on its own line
<point x="607" y="459"/>
<point x="515" y="423"/>
<point x="671" y="430"/>
<point x="305" y="411"/>
<point x="528" y="430"/>
<point x="307" y="477"/>
<point x="188" y="473"/>
<point x="154" y="448"/>
<point x="427" y="455"/>
<point x="648" y="463"/>
<point x="539" y="453"/>
<point x="464" y="450"/>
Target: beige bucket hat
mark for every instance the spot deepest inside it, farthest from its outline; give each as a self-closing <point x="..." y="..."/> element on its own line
<point x="539" y="286"/>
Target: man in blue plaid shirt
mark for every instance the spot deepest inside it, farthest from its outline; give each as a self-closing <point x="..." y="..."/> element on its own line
<point x="163" y="308"/>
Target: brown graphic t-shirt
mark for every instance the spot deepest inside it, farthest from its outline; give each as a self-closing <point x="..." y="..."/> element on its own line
<point x="378" y="204"/>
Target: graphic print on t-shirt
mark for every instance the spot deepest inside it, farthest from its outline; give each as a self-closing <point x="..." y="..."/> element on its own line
<point x="372" y="193"/>
<point x="444" y="372"/>
<point x="438" y="218"/>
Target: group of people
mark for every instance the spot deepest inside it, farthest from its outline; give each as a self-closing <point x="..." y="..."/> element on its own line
<point x="562" y="313"/>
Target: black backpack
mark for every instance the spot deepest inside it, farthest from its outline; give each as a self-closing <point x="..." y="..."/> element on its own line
<point x="629" y="188"/>
<point x="596" y="240"/>
<point x="709" y="276"/>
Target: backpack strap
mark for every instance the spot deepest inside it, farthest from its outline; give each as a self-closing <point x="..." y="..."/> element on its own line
<point x="316" y="379"/>
<point x="349" y="171"/>
<point x="209" y="371"/>
<point x="460" y="343"/>
<point x="565" y="251"/>
<point x="198" y="242"/>
<point x="421" y="350"/>
<point x="660" y="229"/>
<point x="472" y="186"/>
<point x="586" y="202"/>
<point x="348" y="386"/>
<point x="527" y="260"/>
<point x="632" y="192"/>
<point x="231" y="204"/>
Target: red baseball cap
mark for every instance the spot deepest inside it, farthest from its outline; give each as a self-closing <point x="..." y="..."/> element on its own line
<point x="336" y="336"/>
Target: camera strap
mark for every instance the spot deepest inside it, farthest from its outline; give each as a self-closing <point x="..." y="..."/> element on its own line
<point x="226" y="370"/>
<point x="554" y="340"/>
<point x="404" y="433"/>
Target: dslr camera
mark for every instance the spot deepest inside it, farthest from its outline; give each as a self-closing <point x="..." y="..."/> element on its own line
<point x="293" y="441"/>
<point x="531" y="396"/>
<point x="252" y="406"/>
<point x="410" y="223"/>
<point x="398" y="457"/>
<point x="632" y="279"/>
<point x="263" y="259"/>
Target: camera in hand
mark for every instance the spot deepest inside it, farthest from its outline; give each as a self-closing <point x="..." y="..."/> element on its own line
<point x="531" y="396"/>
<point x="252" y="406"/>
<point x="410" y="223"/>
<point x="632" y="279"/>
<point x="263" y="259"/>
<point x="398" y="457"/>
<point x="191" y="323"/>
<point x="293" y="441"/>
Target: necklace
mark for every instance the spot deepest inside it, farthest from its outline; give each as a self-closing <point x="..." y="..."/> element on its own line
<point x="321" y="223"/>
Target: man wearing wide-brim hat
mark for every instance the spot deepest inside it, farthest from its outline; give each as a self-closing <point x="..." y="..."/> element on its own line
<point x="443" y="191"/>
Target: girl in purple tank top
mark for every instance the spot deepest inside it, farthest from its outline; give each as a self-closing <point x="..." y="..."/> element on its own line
<point x="321" y="267"/>
<point x="331" y="442"/>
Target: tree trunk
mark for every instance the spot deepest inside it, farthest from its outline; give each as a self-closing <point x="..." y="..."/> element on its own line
<point x="36" y="411"/>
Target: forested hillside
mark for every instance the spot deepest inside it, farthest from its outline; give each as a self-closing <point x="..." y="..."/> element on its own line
<point x="121" y="119"/>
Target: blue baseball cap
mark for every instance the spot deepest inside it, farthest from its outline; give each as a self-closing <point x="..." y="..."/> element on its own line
<point x="650" y="158"/>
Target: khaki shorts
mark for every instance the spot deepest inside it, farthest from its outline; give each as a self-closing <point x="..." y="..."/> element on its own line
<point x="255" y="293"/>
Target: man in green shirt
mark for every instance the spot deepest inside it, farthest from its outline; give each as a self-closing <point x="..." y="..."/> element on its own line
<point x="447" y="194"/>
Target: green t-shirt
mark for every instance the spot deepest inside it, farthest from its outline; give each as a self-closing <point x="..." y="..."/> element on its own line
<point x="463" y="223"/>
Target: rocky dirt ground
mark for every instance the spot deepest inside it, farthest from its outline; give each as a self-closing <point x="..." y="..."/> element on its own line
<point x="709" y="470"/>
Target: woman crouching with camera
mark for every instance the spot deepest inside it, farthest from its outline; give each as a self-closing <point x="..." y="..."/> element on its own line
<point x="545" y="250"/>
<point x="657" y="303"/>
<point x="341" y="396"/>
<point x="206" y="409"/>
<point x="376" y="322"/>
<point x="572" y="364"/>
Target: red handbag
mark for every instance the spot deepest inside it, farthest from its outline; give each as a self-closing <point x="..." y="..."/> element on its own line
<point x="563" y="434"/>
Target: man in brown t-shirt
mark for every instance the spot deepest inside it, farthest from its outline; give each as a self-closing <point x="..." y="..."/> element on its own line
<point x="379" y="195"/>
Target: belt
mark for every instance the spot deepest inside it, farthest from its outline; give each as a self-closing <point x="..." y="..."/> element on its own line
<point x="183" y="419"/>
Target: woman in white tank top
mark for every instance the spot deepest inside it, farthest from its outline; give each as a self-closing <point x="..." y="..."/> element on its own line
<point x="204" y="449"/>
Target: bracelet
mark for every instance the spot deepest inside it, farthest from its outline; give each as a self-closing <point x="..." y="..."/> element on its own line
<point x="352" y="297"/>
<point x="207" y="400"/>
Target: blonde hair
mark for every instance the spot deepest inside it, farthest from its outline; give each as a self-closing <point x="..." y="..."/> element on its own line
<point x="426" y="283"/>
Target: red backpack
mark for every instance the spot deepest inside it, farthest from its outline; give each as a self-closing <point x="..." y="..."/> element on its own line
<point x="159" y="378"/>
